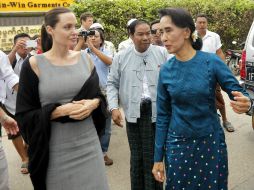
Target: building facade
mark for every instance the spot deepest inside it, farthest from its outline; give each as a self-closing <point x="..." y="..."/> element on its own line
<point x="23" y="16"/>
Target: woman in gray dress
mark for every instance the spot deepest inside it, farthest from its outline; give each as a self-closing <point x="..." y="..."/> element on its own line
<point x="64" y="149"/>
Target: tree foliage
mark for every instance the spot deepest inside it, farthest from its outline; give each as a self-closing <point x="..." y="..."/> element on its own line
<point x="231" y="19"/>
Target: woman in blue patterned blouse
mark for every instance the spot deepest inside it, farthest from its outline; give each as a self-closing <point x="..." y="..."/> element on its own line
<point x="188" y="131"/>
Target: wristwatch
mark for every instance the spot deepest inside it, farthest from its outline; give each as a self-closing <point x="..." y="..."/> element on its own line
<point x="251" y="109"/>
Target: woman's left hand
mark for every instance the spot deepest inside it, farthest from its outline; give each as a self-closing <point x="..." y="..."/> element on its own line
<point x="241" y="103"/>
<point x="158" y="171"/>
<point x="86" y="110"/>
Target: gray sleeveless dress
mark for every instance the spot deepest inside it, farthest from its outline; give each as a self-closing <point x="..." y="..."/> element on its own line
<point x="75" y="156"/>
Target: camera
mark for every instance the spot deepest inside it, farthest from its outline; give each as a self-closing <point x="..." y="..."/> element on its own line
<point x="87" y="33"/>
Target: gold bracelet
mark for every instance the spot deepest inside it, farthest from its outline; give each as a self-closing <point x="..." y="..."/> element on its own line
<point x="3" y="119"/>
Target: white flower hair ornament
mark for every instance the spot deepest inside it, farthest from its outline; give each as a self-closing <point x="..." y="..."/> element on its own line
<point x="194" y="36"/>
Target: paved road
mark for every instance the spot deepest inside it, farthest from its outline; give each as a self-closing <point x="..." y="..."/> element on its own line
<point x="240" y="150"/>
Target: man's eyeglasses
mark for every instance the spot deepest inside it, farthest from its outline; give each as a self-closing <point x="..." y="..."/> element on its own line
<point x="154" y="31"/>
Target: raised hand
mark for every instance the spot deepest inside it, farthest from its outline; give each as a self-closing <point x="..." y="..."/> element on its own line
<point x="20" y="44"/>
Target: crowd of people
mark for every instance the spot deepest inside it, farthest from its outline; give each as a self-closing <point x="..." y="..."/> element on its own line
<point x="58" y="101"/>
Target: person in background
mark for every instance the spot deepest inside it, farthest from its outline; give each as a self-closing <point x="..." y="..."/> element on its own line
<point x="20" y="51"/>
<point x="18" y="54"/>
<point x="107" y="44"/>
<point x="37" y="49"/>
<point x="86" y="20"/>
<point x="155" y="31"/>
<point x="101" y="52"/>
<point x="11" y="79"/>
<point x="132" y="82"/>
<point x="126" y="43"/>
<point x="59" y="121"/>
<point x="212" y="44"/>
<point x="189" y="137"/>
<point x="102" y="60"/>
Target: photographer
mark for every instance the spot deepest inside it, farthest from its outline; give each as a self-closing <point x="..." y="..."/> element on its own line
<point x="19" y="51"/>
<point x="108" y="45"/>
<point x="102" y="58"/>
<point x="82" y="37"/>
<point x="94" y="41"/>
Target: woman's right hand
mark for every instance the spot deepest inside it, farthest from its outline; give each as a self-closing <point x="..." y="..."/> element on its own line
<point x="70" y="107"/>
<point x="65" y="110"/>
<point x="87" y="108"/>
<point x="158" y="171"/>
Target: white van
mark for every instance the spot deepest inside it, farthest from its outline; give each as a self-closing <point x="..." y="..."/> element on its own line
<point x="247" y="63"/>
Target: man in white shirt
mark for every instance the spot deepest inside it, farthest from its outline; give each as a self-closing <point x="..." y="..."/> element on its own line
<point x="86" y="20"/>
<point x="17" y="56"/>
<point x="11" y="79"/>
<point x="126" y="43"/>
<point x="212" y="44"/>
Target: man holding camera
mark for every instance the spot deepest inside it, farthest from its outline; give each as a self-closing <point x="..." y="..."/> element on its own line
<point x="19" y="51"/>
<point x="82" y="38"/>
<point x="108" y="45"/>
<point x="102" y="59"/>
